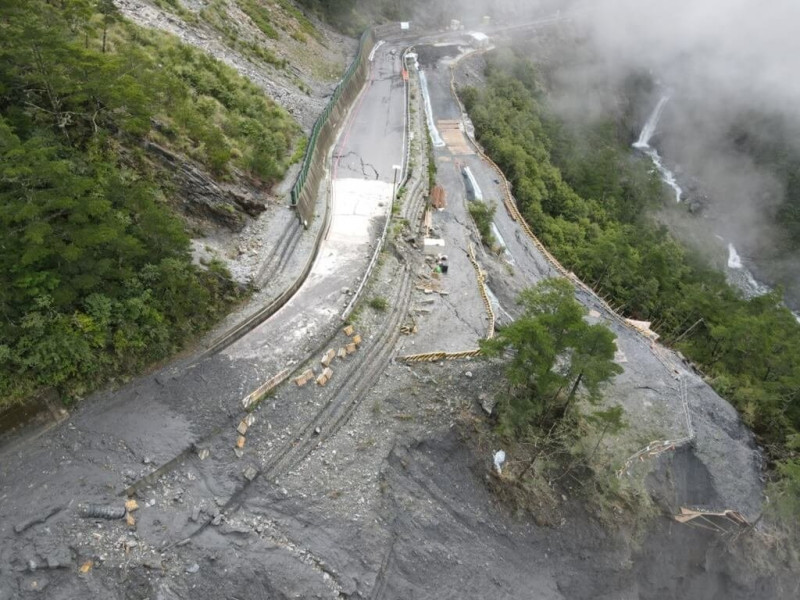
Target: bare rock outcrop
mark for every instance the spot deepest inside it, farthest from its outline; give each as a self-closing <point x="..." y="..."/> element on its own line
<point x="203" y="197"/>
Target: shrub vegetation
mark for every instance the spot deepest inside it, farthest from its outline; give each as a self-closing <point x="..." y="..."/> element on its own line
<point x="96" y="278"/>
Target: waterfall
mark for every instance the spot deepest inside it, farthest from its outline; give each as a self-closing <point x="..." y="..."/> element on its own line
<point x="738" y="274"/>
<point x="734" y="261"/>
<point x="650" y="126"/>
<point x="643" y="144"/>
<point x="741" y="277"/>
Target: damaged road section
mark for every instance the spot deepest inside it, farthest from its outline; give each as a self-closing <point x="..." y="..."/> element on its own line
<point x="122" y="436"/>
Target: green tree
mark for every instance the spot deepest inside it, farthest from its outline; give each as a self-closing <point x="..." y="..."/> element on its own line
<point x="785" y="494"/>
<point x="483" y="214"/>
<point x="592" y="360"/>
<point x="552" y="348"/>
<point x="110" y="13"/>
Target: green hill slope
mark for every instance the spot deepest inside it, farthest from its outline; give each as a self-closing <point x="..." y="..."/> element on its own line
<point x="95" y="273"/>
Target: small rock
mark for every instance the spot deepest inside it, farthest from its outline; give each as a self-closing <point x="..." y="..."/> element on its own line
<point x="238" y="452"/>
<point x="147" y="460"/>
<point x="250" y="473"/>
<point x="468" y="374"/>
<point x="217" y="520"/>
<point x="193" y="568"/>
<point x="38" y="584"/>
<point x="487" y="403"/>
<point x="60" y="558"/>
<point x="195" y="514"/>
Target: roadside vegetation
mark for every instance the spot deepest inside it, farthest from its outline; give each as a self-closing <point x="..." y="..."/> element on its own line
<point x="96" y="279"/>
<point x="587" y="200"/>
<point x="379" y="303"/>
<point x="482" y="214"/>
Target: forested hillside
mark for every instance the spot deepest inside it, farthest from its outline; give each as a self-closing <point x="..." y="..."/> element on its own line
<point x="586" y="197"/>
<point x="95" y="273"/>
<point x="772" y="143"/>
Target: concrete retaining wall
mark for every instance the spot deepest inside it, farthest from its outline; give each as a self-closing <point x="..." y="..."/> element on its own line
<point x="323" y="134"/>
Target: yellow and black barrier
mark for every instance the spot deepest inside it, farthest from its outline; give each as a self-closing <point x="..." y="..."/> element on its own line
<point x="437" y="356"/>
<point x="487" y="303"/>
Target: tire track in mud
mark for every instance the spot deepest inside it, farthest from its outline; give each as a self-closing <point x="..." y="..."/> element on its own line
<point x="286" y="255"/>
<point x="348" y="394"/>
<point x="280" y="253"/>
<point x="413" y="211"/>
<point x="381" y="579"/>
<point x="337" y="410"/>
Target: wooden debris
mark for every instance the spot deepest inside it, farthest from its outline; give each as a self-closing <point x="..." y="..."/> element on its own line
<point x="325" y="376"/>
<point x="304" y="378"/>
<point x="328" y="357"/>
<point x="438" y="197"/>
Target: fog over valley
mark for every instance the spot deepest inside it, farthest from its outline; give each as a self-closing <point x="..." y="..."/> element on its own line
<point x="730" y="130"/>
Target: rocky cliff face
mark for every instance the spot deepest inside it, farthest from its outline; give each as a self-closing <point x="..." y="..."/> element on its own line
<point x="202" y="197"/>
